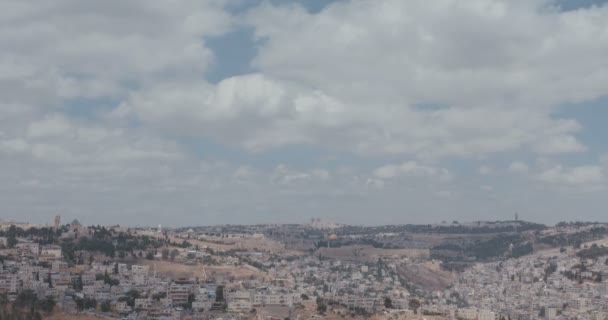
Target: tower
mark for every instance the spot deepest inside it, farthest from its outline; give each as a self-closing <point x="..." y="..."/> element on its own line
<point x="57" y="221"/>
<point x="516" y="216"/>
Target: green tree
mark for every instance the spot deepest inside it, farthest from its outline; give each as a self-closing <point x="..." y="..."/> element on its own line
<point x="414" y="304"/>
<point x="321" y="306"/>
<point x="77" y="283"/>
<point x="174" y="254"/>
<point x="106" y="306"/>
<point x="388" y="303"/>
<point x="11" y="241"/>
<point x="47" y="304"/>
<point x="219" y="294"/>
<point x="49" y="279"/>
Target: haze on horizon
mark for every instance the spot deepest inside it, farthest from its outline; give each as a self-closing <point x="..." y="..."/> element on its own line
<point x="360" y="112"/>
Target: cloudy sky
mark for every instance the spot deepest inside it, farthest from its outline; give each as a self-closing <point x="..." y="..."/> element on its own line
<point x="364" y="112"/>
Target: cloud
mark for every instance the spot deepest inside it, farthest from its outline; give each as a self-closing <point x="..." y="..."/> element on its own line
<point x="487" y="188"/>
<point x="486" y="170"/>
<point x="99" y="101"/>
<point x="411" y="169"/>
<point x="73" y="49"/>
<point x="13" y="146"/>
<point x="48" y="127"/>
<point x="399" y="55"/>
<point x="561" y="144"/>
<point x="284" y="175"/>
<point x="332" y="90"/>
<point x="518" y="167"/>
<point x="577" y="176"/>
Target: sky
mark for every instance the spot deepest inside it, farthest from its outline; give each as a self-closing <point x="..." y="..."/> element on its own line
<point x="362" y="112"/>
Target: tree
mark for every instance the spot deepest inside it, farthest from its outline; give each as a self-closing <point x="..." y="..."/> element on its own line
<point x="115" y="267"/>
<point x="174" y="253"/>
<point x="150" y="255"/>
<point x="130" y="297"/>
<point x="86" y="303"/>
<point x="414" y="305"/>
<point x="77" y="283"/>
<point x="219" y="294"/>
<point x="542" y="312"/>
<point x="106" y="306"/>
<point x="107" y="279"/>
<point x="11" y="241"/>
<point x="321" y="306"/>
<point x="47" y="304"/>
<point x="388" y="303"/>
<point x="165" y="254"/>
<point x="49" y="279"/>
<point x="188" y="305"/>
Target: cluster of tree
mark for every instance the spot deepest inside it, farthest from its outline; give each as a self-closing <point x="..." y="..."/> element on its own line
<point x="549" y="270"/>
<point x="104" y="241"/>
<point x="183" y="244"/>
<point x="85" y="303"/>
<point x="448" y="247"/>
<point x="482" y="250"/>
<point x="574" y="239"/>
<point x="454" y="228"/>
<point x="43" y="235"/>
<point x="253" y="263"/>
<point x="130" y="297"/>
<point x="577" y="276"/>
<point x="107" y="279"/>
<point x="593" y="252"/>
<point x="359" y="311"/>
<point x="169" y="254"/>
<point x="128" y="243"/>
<point x="522" y="250"/>
<point x="26" y="305"/>
<point x="84" y="244"/>
<point x="578" y="224"/>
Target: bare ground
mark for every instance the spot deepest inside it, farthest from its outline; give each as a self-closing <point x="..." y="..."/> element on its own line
<point x="426" y="276"/>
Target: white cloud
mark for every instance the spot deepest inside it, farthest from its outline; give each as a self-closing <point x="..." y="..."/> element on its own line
<point x="13" y="146"/>
<point x="487" y="188"/>
<point x="76" y="49"/>
<point x="518" y="167"/>
<point x="499" y="99"/>
<point x="48" y="127"/>
<point x="385" y="80"/>
<point x="577" y="176"/>
<point x="486" y="170"/>
<point x="411" y="169"/>
<point x="561" y="144"/>
<point x="284" y="175"/>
